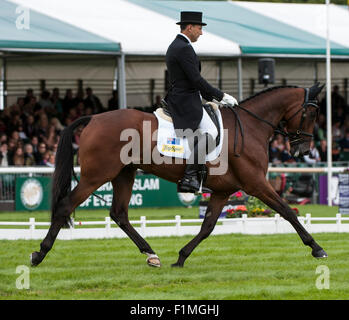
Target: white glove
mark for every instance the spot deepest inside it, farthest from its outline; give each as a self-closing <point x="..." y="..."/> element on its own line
<point x="228" y="99"/>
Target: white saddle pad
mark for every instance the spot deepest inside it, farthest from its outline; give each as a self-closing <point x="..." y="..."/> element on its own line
<point x="170" y="145"/>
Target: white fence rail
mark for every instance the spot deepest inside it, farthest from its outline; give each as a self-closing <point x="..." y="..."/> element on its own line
<point x="178" y="227"/>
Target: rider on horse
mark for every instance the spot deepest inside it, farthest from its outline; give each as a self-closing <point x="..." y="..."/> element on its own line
<point x="187" y="87"/>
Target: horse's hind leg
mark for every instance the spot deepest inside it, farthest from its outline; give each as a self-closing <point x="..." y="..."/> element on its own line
<point x="122" y="186"/>
<point x="65" y="207"/>
<point x="269" y="196"/>
<point x="213" y="211"/>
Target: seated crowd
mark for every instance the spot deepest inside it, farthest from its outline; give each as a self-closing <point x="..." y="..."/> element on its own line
<point x="30" y="129"/>
<point x="279" y="147"/>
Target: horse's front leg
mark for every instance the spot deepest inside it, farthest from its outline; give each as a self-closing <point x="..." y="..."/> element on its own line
<point x="213" y="211"/>
<point x="268" y="195"/>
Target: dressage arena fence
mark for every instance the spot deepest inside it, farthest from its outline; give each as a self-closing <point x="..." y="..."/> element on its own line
<point x="177" y="227"/>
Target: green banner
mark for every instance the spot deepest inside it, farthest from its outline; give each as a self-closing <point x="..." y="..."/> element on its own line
<point x="148" y="191"/>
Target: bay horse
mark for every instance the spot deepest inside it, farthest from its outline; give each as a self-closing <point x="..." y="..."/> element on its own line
<point x="100" y="154"/>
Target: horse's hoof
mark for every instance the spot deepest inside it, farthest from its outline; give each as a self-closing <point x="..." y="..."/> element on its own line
<point x="177" y="265"/>
<point x="153" y="261"/>
<point x="35" y="259"/>
<point x="319" y="254"/>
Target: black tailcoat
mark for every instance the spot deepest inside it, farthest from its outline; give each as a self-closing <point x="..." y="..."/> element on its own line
<point x="186" y="85"/>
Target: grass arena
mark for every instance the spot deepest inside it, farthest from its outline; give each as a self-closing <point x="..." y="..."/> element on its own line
<point x="234" y="266"/>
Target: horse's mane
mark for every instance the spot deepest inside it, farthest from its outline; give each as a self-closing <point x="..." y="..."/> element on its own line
<point x="265" y="91"/>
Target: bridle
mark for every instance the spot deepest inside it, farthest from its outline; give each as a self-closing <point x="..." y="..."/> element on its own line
<point x="296" y="137"/>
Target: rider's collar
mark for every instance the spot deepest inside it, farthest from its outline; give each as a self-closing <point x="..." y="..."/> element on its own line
<point x="183" y="35"/>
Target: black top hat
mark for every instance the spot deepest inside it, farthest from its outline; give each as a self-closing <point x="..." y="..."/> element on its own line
<point x="191" y="17"/>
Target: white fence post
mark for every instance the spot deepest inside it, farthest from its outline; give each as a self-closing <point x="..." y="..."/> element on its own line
<point x="143" y="225"/>
<point x="244" y="222"/>
<point x="308" y="221"/>
<point x="32" y="227"/>
<point x="277" y="222"/>
<point x="339" y="222"/>
<point x="71" y="229"/>
<point x="107" y="226"/>
<point x="178" y="225"/>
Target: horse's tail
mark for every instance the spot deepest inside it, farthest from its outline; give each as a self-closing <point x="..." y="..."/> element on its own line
<point x="62" y="176"/>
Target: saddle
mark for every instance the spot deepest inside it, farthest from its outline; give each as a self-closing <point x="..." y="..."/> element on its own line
<point x="210" y="108"/>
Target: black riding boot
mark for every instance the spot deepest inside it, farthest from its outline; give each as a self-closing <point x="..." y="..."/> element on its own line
<point x="194" y="172"/>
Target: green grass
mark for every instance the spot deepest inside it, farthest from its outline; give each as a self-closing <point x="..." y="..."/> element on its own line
<point x="222" y="267"/>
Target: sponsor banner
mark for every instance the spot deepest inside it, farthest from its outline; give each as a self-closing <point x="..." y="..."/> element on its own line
<point x="147" y="191"/>
<point x="33" y="193"/>
<point x="343" y="188"/>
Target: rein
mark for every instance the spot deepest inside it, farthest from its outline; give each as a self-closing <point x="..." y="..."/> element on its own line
<point x="295" y="137"/>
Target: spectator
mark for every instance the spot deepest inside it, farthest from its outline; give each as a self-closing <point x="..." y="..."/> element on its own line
<point x="50" y="138"/>
<point x="93" y="101"/>
<point x="40" y="155"/>
<point x="113" y="102"/>
<point x="29" y="159"/>
<point x="336" y="131"/>
<point x="57" y="101"/>
<point x="51" y="160"/>
<point x="21" y="133"/>
<point x="344" y="143"/>
<point x="313" y="156"/>
<point x="323" y="150"/>
<point x="45" y="101"/>
<point x="18" y="157"/>
<point x="68" y="102"/>
<point x="337" y="100"/>
<point x="29" y="126"/>
<point x="35" y="143"/>
<point x="42" y="127"/>
<point x="80" y="109"/>
<point x="57" y="124"/>
<point x="28" y="96"/>
<point x="274" y="153"/>
<point x="4" y="158"/>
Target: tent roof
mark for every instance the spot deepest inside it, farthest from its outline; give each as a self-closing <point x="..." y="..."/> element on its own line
<point x="140" y="31"/>
<point x="234" y="28"/>
<point x="266" y="28"/>
<point x="46" y="34"/>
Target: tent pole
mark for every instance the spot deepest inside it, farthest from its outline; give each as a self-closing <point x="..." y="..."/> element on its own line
<point x="329" y="106"/>
<point x="122" y="81"/>
<point x="2" y="84"/>
<point x="240" y="93"/>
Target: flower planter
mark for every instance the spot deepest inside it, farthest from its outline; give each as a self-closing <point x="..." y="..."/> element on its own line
<point x="232" y="204"/>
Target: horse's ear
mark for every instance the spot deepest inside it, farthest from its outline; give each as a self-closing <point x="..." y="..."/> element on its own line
<point x="315" y="90"/>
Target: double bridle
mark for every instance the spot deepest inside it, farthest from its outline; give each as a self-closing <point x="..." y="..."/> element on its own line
<point x="295" y="137"/>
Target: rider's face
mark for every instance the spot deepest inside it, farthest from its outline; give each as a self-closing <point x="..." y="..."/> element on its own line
<point x="195" y="31"/>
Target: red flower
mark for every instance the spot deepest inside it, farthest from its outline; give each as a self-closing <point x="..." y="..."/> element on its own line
<point x="296" y="211"/>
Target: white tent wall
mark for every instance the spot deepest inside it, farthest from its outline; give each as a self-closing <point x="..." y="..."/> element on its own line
<point x="140" y="73"/>
<point x="98" y="73"/>
<point x="61" y="72"/>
